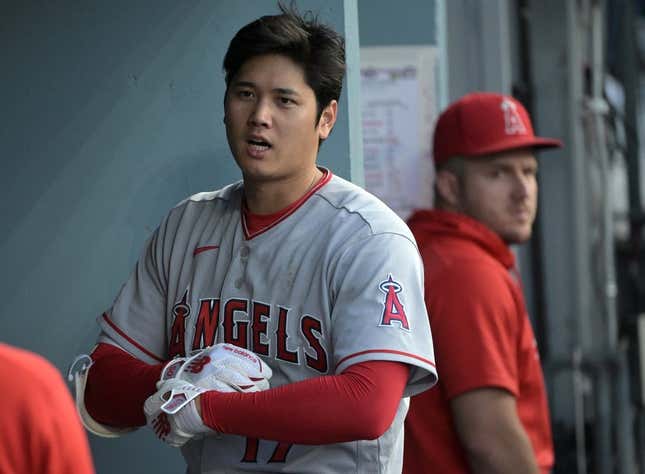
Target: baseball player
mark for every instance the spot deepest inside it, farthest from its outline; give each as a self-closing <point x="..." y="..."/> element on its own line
<point x="315" y="282"/>
<point x="489" y="412"/>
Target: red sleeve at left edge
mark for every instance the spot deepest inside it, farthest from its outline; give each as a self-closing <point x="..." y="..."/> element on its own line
<point x="117" y="387"/>
<point x="360" y="403"/>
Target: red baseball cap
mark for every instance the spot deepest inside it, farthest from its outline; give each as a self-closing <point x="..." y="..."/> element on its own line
<point x="483" y="123"/>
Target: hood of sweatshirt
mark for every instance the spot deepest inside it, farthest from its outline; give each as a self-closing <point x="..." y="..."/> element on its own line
<point x="430" y="224"/>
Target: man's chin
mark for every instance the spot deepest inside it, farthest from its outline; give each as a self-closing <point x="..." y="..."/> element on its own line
<point x="516" y="237"/>
<point x="259" y="172"/>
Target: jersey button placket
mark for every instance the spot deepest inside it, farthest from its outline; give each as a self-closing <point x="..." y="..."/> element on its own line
<point x="244" y="257"/>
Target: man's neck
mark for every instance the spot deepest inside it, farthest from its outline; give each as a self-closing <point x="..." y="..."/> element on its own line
<point x="268" y="197"/>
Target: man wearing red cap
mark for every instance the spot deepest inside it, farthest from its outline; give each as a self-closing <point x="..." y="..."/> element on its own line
<point x="489" y="411"/>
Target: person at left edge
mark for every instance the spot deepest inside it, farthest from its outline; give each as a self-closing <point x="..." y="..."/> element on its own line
<point x="310" y="272"/>
<point x="40" y="431"/>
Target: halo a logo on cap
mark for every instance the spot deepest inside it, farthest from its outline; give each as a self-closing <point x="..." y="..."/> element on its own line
<point x="513" y="124"/>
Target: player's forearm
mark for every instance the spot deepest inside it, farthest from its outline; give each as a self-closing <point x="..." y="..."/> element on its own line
<point x="491" y="432"/>
<point x="358" y="404"/>
<point x="502" y="453"/>
<point x="117" y="386"/>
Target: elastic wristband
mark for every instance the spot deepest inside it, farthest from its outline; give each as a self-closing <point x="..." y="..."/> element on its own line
<point x="189" y="421"/>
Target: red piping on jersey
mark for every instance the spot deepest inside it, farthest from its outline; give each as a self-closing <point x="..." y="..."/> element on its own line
<point x="294" y="207"/>
<point x="199" y="250"/>
<point x="386" y="351"/>
<point x="129" y="339"/>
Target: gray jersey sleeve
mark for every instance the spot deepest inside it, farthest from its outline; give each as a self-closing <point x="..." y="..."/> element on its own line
<point x="379" y="310"/>
<point x="136" y="320"/>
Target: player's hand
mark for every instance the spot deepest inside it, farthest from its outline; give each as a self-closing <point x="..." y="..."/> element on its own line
<point x="162" y="407"/>
<point x="173" y="412"/>
<point x="221" y="367"/>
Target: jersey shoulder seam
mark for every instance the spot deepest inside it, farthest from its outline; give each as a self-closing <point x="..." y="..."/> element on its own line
<point x="367" y="222"/>
<point x="224" y="194"/>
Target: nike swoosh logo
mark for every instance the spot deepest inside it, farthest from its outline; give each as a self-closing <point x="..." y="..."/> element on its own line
<point x="206" y="248"/>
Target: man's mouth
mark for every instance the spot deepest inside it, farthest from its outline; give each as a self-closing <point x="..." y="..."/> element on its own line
<point x="522" y="213"/>
<point x="259" y="145"/>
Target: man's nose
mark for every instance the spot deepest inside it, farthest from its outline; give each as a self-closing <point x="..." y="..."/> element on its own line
<point x="522" y="185"/>
<point x="261" y="114"/>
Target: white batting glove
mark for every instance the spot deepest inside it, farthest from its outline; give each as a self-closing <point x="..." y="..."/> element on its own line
<point x="171" y="412"/>
<point x="163" y="410"/>
<point x="221" y="367"/>
<point x="170" y="370"/>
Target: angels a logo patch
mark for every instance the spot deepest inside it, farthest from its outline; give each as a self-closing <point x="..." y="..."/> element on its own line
<point x="181" y="312"/>
<point x="393" y="311"/>
<point x="513" y="124"/>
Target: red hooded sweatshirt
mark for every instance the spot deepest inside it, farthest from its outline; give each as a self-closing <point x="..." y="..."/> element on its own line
<point x="482" y="337"/>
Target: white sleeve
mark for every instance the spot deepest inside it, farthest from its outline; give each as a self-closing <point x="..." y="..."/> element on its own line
<point x="379" y="310"/>
<point x="136" y="320"/>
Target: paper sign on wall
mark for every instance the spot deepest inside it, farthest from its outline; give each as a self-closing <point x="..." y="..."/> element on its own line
<point x="399" y="109"/>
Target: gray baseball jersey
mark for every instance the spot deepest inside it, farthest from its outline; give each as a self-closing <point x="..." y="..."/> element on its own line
<point x="336" y="281"/>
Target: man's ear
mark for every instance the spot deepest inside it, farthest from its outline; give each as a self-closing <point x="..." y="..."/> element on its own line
<point x="327" y="120"/>
<point x="447" y="186"/>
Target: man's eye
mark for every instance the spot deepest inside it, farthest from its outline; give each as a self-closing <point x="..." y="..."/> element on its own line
<point x="244" y="94"/>
<point x="287" y="101"/>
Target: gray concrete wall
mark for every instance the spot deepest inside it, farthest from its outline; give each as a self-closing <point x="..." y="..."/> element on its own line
<point x="478" y="46"/>
<point x="383" y="22"/>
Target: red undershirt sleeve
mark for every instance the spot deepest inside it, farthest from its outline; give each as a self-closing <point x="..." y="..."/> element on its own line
<point x="365" y="399"/>
<point x="360" y="403"/>
<point x="118" y="385"/>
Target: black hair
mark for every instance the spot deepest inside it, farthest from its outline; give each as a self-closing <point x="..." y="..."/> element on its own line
<point x="317" y="48"/>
